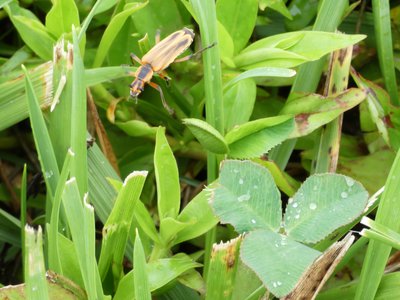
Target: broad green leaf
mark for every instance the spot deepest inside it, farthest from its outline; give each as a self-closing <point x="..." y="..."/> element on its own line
<point x="62" y="15"/>
<point x="239" y="103"/>
<point x="313" y="111"/>
<point x="105" y="5"/>
<point x="207" y="135"/>
<point x="33" y="33"/>
<point x="169" y="227"/>
<point x="112" y="30"/>
<point x="239" y="18"/>
<point x="222" y="270"/>
<point x="167" y="178"/>
<point x="261" y="72"/>
<point x="247" y="197"/>
<point x="278" y="261"/>
<point x="116" y="229"/>
<point x="225" y="44"/>
<point x="278" y="5"/>
<point x="146" y="222"/>
<point x="137" y="128"/>
<point x="285" y="183"/>
<point x="321" y="270"/>
<point x="293" y="48"/>
<point x="322" y="204"/>
<point x="141" y="280"/>
<point x="199" y="215"/>
<point x="161" y="272"/>
<point x="360" y="168"/>
<point x="255" y="138"/>
<point x="157" y="15"/>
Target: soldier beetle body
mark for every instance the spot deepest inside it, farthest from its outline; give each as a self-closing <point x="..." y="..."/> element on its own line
<point x="158" y="59"/>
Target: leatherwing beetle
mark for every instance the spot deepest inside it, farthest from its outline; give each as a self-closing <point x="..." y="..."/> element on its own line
<point x="158" y="58"/>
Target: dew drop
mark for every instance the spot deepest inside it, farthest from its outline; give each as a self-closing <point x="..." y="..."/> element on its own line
<point x="240" y="181"/>
<point x="279" y="283"/>
<point x="349" y="181"/>
<point x="244" y="197"/>
<point x="295" y="204"/>
<point x="313" y="206"/>
<point x="343" y="195"/>
<point x="48" y="174"/>
<point x="253" y="221"/>
<point x="297" y="216"/>
<point x="255" y="187"/>
<point x="274" y="284"/>
<point x="315" y="188"/>
<point x="290" y="200"/>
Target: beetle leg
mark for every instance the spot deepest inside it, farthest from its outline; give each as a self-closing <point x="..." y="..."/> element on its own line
<point x="158" y="33"/>
<point x="158" y="88"/>
<point x="164" y="75"/>
<point x="185" y="58"/>
<point x="135" y="58"/>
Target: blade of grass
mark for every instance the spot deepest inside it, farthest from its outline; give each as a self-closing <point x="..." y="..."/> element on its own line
<point x="327" y="150"/>
<point x="113" y="28"/>
<point x="222" y="270"/>
<point x="116" y="229"/>
<point x="383" y="33"/>
<point x="53" y="251"/>
<point x="80" y="217"/>
<point x="140" y="279"/>
<point x="78" y="118"/>
<point x="23" y="211"/>
<point x="378" y="253"/>
<point x="34" y="271"/>
<point x="13" y="104"/>
<point x="43" y="144"/>
<point x="206" y="16"/>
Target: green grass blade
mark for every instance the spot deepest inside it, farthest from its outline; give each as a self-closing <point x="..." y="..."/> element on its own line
<point x="53" y="251"/>
<point x="116" y="229"/>
<point x="327" y="153"/>
<point x="35" y="274"/>
<point x="205" y="12"/>
<point x="112" y="30"/>
<point x="378" y="253"/>
<point x="42" y="139"/>
<point x="383" y="33"/>
<point x="222" y="270"/>
<point x="78" y="120"/>
<point x="23" y="209"/>
<point x="140" y="279"/>
<point x="80" y="217"/>
<point x="13" y="104"/>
